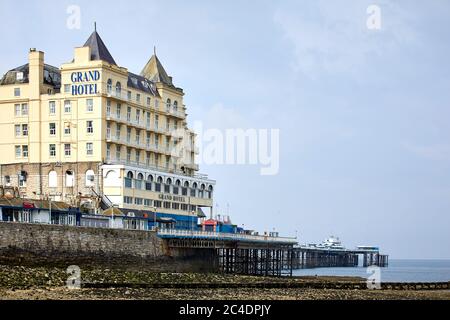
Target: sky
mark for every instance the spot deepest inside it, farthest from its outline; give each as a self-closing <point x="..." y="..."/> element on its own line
<point x="363" y="114"/>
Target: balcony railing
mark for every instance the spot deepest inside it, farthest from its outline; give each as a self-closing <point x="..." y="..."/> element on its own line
<point x="168" y="233"/>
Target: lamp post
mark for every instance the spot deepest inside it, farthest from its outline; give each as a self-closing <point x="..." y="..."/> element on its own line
<point x="192" y="223"/>
<point x="154" y="219"/>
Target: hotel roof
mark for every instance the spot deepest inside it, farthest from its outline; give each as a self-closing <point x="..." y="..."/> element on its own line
<point x="98" y="48"/>
<point x="52" y="75"/>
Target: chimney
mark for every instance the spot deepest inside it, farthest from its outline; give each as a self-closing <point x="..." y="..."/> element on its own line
<point x="36" y="73"/>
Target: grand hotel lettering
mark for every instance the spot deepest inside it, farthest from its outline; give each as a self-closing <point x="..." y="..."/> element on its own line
<point x="79" y="79"/>
<point x="171" y="198"/>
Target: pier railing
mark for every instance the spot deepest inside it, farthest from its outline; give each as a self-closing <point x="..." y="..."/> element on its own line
<point x="174" y="233"/>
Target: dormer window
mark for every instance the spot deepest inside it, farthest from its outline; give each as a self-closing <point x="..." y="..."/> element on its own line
<point x="19" y="76"/>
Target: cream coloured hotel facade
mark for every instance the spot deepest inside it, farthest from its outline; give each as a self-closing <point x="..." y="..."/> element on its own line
<point x="93" y="128"/>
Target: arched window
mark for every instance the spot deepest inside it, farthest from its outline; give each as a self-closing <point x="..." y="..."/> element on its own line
<point x="52" y="179"/>
<point x="140" y="178"/>
<point x="148" y="183"/>
<point x="118" y="89"/>
<point x="194" y="185"/>
<point x="186" y="184"/>
<point x="129" y="180"/>
<point x="168" y="103"/>
<point x="210" y="191"/>
<point x="175" y="106"/>
<point x="167" y="185"/>
<point x="169" y="181"/>
<point x="178" y="183"/>
<point x="109" y="86"/>
<point x="90" y="178"/>
<point x="158" y="183"/>
<point x="69" y="178"/>
<point x="7" y="180"/>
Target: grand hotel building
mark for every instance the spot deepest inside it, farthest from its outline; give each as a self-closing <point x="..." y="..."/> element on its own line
<point x="92" y="128"/>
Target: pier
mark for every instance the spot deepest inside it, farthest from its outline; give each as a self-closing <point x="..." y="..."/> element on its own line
<point x="268" y="255"/>
<point x="313" y="257"/>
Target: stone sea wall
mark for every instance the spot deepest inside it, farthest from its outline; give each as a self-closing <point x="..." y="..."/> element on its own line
<point x="54" y="245"/>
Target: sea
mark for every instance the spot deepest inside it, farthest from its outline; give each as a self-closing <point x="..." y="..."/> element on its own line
<point x="397" y="271"/>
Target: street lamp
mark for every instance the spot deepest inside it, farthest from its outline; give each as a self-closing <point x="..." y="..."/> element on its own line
<point x="154" y="219"/>
<point x="192" y="223"/>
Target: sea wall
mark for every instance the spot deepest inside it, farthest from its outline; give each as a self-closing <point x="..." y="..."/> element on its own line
<point x="54" y="245"/>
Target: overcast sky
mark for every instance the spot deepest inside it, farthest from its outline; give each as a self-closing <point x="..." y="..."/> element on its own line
<point x="363" y="114"/>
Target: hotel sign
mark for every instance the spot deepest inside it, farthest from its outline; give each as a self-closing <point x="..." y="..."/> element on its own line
<point x="171" y="198"/>
<point x="82" y="82"/>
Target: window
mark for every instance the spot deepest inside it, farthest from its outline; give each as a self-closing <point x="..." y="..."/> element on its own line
<point x="138" y="97"/>
<point x="128" y="134"/>
<point x="168" y="103"/>
<point x="89" y="105"/>
<point x="128" y="155"/>
<point x="25" y="130"/>
<point x="109" y="86"/>
<point x="24" y="109"/>
<point x="66" y="128"/>
<point x="147" y="202"/>
<point x="128" y="114"/>
<point x="17" y="110"/>
<point x="156" y="121"/>
<point x="25" y="151"/>
<point x="148" y="101"/>
<point x="52" y="179"/>
<point x="129" y="95"/>
<point x="67" y="149"/>
<point x="148" y="119"/>
<point x="90" y="178"/>
<point x="138" y="156"/>
<point x="18" y="151"/>
<point x="52" y="150"/>
<point x="138" y="201"/>
<point x="156" y="141"/>
<point x="175" y="125"/>
<point x="168" y="143"/>
<point x="108" y="108"/>
<point x="175" y="106"/>
<point x="118" y="89"/>
<point x="108" y="130"/>
<point x="89" y="126"/>
<point x="52" y="107"/>
<point x="89" y="149"/>
<point x="67" y="88"/>
<point x="147" y="141"/>
<point x="69" y="178"/>
<point x="128" y="200"/>
<point x="168" y="124"/>
<point x="129" y="180"/>
<point x="118" y="109"/>
<point x="16" y="92"/>
<point x="138" y="115"/>
<point x="167" y="162"/>
<point x="108" y="151"/>
<point x="118" y="126"/>
<point x="118" y="152"/>
<point x="147" y="159"/>
<point x="138" y="137"/>
<point x="17" y="130"/>
<point x="52" y="128"/>
<point x="7" y="180"/>
<point x="156" y="104"/>
<point x="67" y="106"/>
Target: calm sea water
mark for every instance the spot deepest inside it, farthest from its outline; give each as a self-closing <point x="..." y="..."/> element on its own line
<point x="397" y="271"/>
